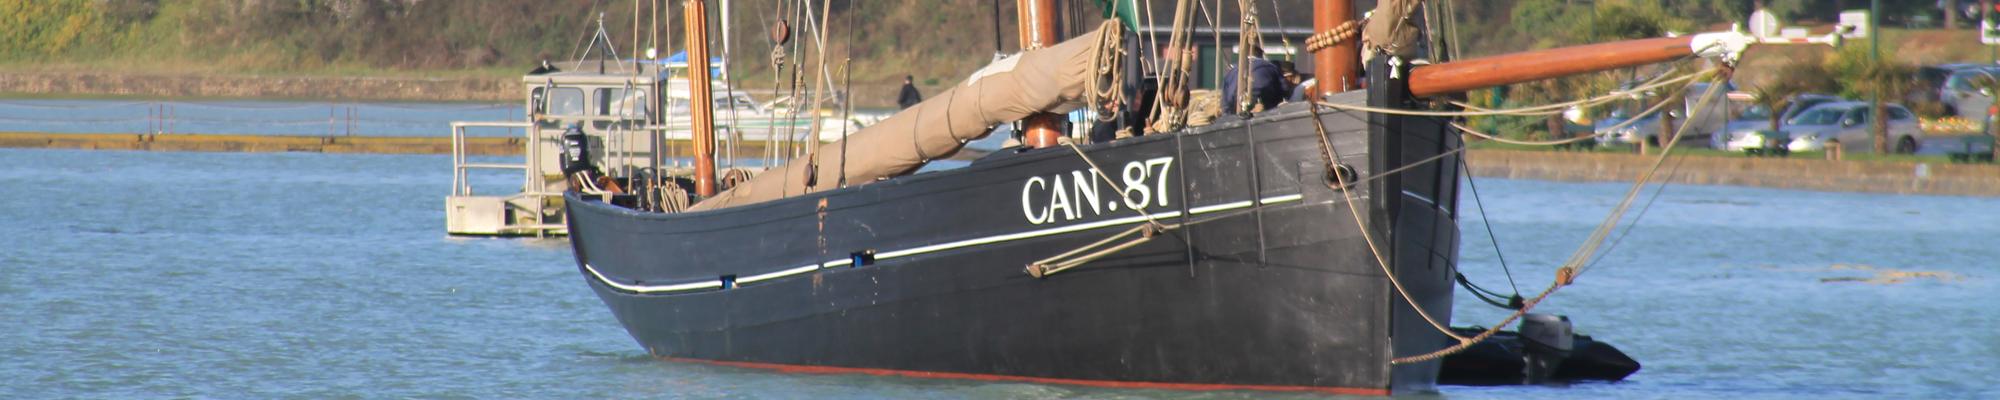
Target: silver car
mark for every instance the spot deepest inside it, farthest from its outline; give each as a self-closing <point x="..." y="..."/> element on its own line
<point x="1848" y="122"/>
<point x="1708" y="122"/>
<point x="1756" y="121"/>
<point x="1961" y="95"/>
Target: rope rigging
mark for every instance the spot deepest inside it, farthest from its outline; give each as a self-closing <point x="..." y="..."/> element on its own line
<point x="1170" y="113"/>
<point x="1341" y="183"/>
<point x="1514" y="301"/>
<point x="1575" y="265"/>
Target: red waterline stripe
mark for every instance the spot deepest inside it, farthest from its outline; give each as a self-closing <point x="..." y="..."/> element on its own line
<point x="814" y="369"/>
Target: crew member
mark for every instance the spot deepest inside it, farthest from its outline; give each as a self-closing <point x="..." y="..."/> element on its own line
<point x="909" y="96"/>
<point x="1267" y="86"/>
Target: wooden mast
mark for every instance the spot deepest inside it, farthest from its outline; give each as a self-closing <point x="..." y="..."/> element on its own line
<point x="1336" y="68"/>
<point x="1484" y="72"/>
<point x="1038" y="29"/>
<point x="701" y="101"/>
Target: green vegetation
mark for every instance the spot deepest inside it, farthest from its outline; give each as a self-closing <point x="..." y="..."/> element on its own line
<point x="931" y="37"/>
<point x="1604" y="21"/>
<point x="47" y="27"/>
<point x="499" y="38"/>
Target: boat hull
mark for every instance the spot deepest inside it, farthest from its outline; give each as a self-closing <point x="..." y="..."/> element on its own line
<point x="1269" y="284"/>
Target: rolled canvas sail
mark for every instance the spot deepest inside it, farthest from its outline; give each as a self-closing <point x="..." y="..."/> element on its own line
<point x="1050" y="79"/>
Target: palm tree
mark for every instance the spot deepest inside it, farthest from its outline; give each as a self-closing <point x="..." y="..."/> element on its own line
<point x="1990" y="86"/>
<point x="1878" y="80"/>
<point x="1776" y="96"/>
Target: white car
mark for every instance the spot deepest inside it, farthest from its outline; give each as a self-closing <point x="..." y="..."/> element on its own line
<point x="1849" y="122"/>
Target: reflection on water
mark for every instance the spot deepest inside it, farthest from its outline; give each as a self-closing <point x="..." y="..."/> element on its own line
<point x="134" y="274"/>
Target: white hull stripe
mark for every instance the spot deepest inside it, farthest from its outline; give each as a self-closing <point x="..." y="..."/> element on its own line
<point x="717" y="283"/>
<point x="711" y="284"/>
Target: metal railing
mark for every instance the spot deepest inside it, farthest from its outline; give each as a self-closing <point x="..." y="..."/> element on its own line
<point x="461" y="186"/>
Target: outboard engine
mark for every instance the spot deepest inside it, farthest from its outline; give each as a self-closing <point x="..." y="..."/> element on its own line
<point x="1546" y="340"/>
<point x="575" y="151"/>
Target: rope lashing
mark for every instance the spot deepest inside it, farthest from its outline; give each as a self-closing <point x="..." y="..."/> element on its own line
<point x="1062" y="262"/>
<point x="1340" y="34"/>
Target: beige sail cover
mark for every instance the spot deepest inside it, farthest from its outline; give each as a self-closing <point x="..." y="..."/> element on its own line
<point x="1050" y="79"/>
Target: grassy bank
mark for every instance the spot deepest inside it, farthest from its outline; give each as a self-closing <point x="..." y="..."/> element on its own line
<point x="1889" y="174"/>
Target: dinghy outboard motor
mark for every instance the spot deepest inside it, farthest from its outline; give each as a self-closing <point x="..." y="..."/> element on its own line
<point x="1546" y="340"/>
<point x="576" y="151"/>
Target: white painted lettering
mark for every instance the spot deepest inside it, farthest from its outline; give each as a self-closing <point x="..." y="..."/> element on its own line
<point x="1086" y="194"/>
<point x="1059" y="198"/>
<point x="1027" y="206"/>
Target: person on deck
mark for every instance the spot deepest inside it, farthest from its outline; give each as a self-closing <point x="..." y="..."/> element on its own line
<point x="1295" y="83"/>
<point x="909" y="96"/>
<point x="1300" y="92"/>
<point x="1267" y="85"/>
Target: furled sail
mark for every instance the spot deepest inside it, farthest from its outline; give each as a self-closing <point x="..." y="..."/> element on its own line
<point x="1050" y="79"/>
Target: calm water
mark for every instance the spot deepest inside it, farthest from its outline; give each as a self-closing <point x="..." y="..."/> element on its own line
<point x="218" y="275"/>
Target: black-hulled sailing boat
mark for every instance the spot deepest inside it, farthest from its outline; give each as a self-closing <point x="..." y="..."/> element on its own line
<point x="1273" y="252"/>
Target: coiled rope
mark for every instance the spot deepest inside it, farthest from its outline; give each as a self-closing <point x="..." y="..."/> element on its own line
<point x="1107" y="55"/>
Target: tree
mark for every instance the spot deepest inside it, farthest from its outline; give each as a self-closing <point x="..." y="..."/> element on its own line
<point x="1540" y="16"/>
<point x="1792" y="79"/>
<point x="1883" y="80"/>
<point x="1864" y="76"/>
<point x="1951" y="11"/>
<point x="1990" y="85"/>
<point x="1775" y="97"/>
<point x="1616" y="20"/>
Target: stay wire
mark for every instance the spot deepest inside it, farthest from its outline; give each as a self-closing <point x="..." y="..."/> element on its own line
<point x="1486" y="221"/>
<point x="1482" y="293"/>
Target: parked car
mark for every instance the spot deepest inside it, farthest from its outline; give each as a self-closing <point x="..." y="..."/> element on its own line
<point x="1754" y="121"/>
<point x="1757" y="120"/>
<point x="1930" y="80"/>
<point x="1706" y="124"/>
<point x="1962" y="97"/>
<point x="1848" y="121"/>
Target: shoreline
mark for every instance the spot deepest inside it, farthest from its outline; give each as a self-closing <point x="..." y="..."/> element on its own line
<point x="239" y="143"/>
<point x="260" y="87"/>
<point x="482" y="146"/>
<point x="1895" y="177"/>
<point x="30" y="83"/>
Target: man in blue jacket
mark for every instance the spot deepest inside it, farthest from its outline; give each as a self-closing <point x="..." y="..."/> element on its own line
<point x="1267" y="84"/>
